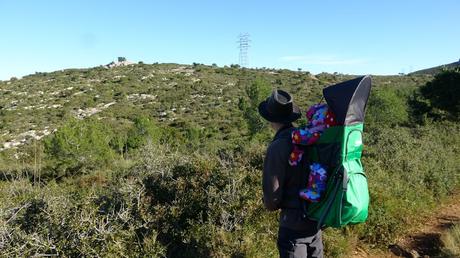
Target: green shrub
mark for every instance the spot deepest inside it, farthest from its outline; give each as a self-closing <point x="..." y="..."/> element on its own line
<point x="387" y="106"/>
<point x="201" y="207"/>
<point x="78" y="146"/>
<point x="144" y="129"/>
<point x="256" y="92"/>
<point x="71" y="222"/>
<point x="443" y="94"/>
<point x="404" y="186"/>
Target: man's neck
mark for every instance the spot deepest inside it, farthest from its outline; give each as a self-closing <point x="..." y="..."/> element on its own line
<point x="277" y="126"/>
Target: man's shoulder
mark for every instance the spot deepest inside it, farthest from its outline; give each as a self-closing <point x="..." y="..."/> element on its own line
<point x="281" y="141"/>
<point x="283" y="137"/>
<point x="280" y="144"/>
<point x="285" y="134"/>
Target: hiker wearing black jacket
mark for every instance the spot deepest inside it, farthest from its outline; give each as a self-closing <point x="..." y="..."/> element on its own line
<point x="297" y="236"/>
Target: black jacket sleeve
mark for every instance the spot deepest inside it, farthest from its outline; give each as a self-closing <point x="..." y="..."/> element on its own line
<point x="274" y="173"/>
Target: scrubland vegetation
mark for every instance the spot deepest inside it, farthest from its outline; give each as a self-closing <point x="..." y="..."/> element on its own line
<point x="165" y="160"/>
<point x="451" y="242"/>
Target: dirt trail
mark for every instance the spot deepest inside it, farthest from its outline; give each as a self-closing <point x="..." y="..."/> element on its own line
<point x="424" y="239"/>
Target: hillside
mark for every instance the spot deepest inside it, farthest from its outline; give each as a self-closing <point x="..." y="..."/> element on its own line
<point x="164" y="160"/>
<point x="437" y="69"/>
<point x="175" y="95"/>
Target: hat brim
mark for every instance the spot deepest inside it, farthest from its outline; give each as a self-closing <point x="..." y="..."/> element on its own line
<point x="277" y="119"/>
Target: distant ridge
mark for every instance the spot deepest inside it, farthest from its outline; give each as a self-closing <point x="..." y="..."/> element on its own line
<point x="437" y="69"/>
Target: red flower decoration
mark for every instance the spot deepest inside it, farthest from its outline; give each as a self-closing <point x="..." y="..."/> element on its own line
<point x="296" y="156"/>
<point x="330" y="119"/>
<point x="296" y="137"/>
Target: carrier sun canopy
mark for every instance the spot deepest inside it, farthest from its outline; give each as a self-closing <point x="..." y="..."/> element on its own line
<point x="348" y="99"/>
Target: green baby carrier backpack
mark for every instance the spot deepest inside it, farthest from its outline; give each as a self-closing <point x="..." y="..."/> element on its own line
<point x="346" y="198"/>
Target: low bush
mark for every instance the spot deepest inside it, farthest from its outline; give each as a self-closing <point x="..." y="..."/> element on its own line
<point x="387" y="106"/>
<point x="256" y="91"/>
<point x="451" y="242"/>
<point x="438" y="99"/>
<point x="77" y="147"/>
<point x="144" y="129"/>
<point x="443" y="94"/>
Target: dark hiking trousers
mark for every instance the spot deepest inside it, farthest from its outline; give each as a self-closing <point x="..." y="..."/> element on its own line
<point x="295" y="244"/>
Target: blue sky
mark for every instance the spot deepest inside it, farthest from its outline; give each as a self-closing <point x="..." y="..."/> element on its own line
<point x="354" y="37"/>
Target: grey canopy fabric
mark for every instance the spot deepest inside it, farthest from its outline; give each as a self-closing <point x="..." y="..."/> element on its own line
<point x="348" y="99"/>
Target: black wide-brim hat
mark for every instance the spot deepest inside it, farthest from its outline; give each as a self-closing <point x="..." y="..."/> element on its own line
<point x="279" y="108"/>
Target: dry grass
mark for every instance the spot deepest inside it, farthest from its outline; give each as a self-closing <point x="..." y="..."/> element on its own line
<point x="451" y="242"/>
